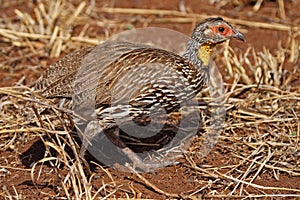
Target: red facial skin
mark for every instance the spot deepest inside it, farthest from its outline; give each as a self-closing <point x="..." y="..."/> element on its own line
<point x="223" y="29"/>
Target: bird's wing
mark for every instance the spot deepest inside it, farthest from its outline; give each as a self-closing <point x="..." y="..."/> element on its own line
<point x="115" y="73"/>
<point x="141" y="75"/>
<point x="60" y="78"/>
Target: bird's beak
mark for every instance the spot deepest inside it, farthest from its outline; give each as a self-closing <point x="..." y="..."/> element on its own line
<point x="239" y="36"/>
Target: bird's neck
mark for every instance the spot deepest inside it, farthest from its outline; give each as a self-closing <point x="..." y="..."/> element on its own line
<point x="204" y="52"/>
<point x="199" y="54"/>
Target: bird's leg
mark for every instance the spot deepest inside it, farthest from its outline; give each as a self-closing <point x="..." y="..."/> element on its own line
<point x="113" y="136"/>
<point x="90" y="132"/>
<point x="103" y="133"/>
<point x="145" y="166"/>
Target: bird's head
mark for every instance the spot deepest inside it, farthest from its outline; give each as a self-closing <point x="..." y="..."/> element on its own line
<point x="210" y="32"/>
<point x="215" y="31"/>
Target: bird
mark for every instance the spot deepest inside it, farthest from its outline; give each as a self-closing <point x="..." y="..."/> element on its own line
<point x="130" y="82"/>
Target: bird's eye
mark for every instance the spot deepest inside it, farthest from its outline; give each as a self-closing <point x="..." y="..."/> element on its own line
<point x="221" y="29"/>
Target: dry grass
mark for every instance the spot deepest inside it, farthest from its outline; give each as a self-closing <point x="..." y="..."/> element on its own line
<point x="261" y="134"/>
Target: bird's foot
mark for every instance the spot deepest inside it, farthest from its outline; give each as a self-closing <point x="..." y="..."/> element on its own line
<point x="149" y="165"/>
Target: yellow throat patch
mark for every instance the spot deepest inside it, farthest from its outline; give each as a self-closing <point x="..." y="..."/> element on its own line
<point x="204" y="52"/>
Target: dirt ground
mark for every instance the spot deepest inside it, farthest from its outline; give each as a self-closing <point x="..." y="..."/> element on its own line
<point x="21" y="65"/>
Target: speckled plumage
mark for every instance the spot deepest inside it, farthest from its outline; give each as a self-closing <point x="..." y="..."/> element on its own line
<point x="58" y="81"/>
<point x="132" y="78"/>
